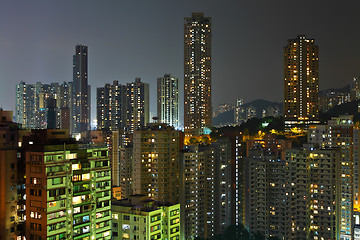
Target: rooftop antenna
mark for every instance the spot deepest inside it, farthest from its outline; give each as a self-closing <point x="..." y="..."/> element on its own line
<point x="156" y="119"/>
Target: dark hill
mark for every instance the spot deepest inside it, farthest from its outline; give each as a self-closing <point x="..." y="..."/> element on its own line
<point x="350" y="108"/>
<point x="259" y="105"/>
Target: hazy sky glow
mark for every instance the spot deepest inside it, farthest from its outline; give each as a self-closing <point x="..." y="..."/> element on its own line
<point x="143" y="38"/>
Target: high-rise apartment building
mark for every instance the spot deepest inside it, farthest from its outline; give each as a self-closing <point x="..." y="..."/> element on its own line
<point x="250" y="112"/>
<point x="197" y="74"/>
<point x="121" y="165"/>
<point x="25" y="102"/>
<point x="314" y="194"/>
<point x="68" y="188"/>
<point x="239" y="111"/>
<point x="115" y="158"/>
<point x="156" y="162"/>
<point x="222" y="179"/>
<point x="301" y="83"/>
<point x="111" y="107"/>
<point x="265" y="196"/>
<point x="168" y="100"/>
<point x="137" y="94"/>
<point x="126" y="170"/>
<point x="198" y="188"/>
<point x="340" y="133"/>
<point x="81" y="91"/>
<point x="355" y="89"/>
<point x="341" y="136"/>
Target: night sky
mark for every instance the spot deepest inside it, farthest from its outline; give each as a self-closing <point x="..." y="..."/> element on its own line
<point x="129" y="39"/>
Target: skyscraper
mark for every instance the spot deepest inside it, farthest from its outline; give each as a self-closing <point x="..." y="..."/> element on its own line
<point x="301" y="83"/>
<point x="168" y="100"/>
<point x="197" y="74"/>
<point x="81" y="91"/>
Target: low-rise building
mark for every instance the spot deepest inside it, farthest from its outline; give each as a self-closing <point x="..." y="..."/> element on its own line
<point x="139" y="217"/>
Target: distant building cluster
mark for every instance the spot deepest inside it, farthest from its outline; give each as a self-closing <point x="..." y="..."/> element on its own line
<point x="244" y="112"/>
<point x="123" y="106"/>
<point x="132" y="179"/>
<point x="67" y="105"/>
<point x="332" y="98"/>
<point x="39" y="106"/>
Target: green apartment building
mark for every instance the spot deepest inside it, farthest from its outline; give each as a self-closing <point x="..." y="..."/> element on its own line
<point x="68" y="188"/>
<point x="141" y="218"/>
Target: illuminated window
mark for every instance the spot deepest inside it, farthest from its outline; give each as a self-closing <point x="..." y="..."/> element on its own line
<point x="76" y="200"/>
<point x="86" y="176"/>
<point x="76" y="166"/>
<point x="76" y="210"/>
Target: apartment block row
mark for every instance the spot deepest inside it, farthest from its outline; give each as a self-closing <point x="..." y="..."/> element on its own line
<point x="56" y="105"/>
<point x="308" y="192"/>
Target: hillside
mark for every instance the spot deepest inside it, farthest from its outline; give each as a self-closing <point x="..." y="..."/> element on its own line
<point x="350" y="108"/>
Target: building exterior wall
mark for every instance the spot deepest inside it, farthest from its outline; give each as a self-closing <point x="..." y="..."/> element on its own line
<point x="136" y="222"/>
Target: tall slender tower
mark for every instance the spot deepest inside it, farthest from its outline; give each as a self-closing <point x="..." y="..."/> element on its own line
<point x="301" y="83"/>
<point x="81" y="91"/>
<point x="137" y="97"/>
<point x="197" y="74"/>
<point x="168" y="100"/>
<point x="25" y="105"/>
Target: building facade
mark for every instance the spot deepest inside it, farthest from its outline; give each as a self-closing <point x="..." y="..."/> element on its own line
<point x="197" y="74"/>
<point x="222" y="179"/>
<point x="314" y="194"/>
<point x="265" y="193"/>
<point x="198" y="188"/>
<point x="126" y="170"/>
